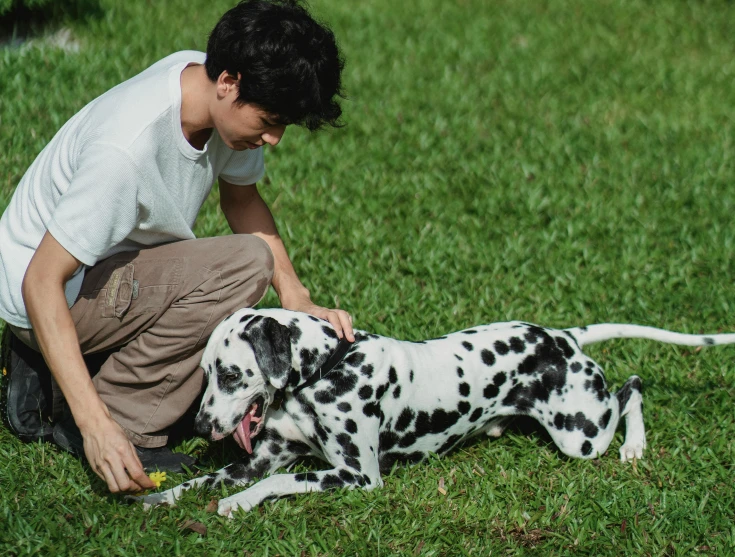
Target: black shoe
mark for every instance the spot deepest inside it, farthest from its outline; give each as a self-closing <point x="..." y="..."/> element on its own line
<point x="25" y="391"/>
<point x="67" y="436"/>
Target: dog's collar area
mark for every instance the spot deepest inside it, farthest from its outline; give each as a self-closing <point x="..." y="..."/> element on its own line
<point x="337" y="356"/>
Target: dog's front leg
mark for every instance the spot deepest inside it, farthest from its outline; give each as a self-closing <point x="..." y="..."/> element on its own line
<point x="269" y="454"/>
<point x="290" y="484"/>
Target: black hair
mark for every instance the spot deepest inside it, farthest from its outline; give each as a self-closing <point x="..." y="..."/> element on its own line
<point x="289" y="65"/>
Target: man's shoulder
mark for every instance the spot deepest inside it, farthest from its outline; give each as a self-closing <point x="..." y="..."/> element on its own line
<point x="143" y="102"/>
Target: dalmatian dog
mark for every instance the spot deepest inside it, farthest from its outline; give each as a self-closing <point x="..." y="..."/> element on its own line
<point x="285" y="386"/>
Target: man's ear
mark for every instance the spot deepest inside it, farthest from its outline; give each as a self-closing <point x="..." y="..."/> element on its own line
<point x="271" y="343"/>
<point x="226" y="82"/>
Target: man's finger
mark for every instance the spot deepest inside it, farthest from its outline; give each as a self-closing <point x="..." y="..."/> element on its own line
<point x="135" y="470"/>
<point x="106" y="474"/>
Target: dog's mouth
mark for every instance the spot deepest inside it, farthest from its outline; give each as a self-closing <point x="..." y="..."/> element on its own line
<point x="250" y="425"/>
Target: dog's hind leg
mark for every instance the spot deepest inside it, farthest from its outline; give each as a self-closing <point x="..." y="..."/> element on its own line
<point x="630" y="402"/>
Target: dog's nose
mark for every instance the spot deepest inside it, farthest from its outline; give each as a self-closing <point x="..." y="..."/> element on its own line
<point x="202" y="425"/>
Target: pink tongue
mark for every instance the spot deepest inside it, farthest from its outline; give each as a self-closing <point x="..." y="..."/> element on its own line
<point x="242" y="434"/>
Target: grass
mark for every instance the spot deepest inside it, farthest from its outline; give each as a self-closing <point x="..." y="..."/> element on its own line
<point x="557" y="162"/>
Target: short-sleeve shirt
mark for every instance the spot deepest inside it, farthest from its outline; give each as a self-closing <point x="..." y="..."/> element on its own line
<point x="118" y="176"/>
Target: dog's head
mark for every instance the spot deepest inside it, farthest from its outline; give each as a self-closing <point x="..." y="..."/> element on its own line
<point x="247" y="358"/>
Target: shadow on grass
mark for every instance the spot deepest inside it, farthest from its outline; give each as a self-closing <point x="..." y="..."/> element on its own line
<point x="22" y="23"/>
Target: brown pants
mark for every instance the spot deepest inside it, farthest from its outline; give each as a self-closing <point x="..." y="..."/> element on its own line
<point x="161" y="304"/>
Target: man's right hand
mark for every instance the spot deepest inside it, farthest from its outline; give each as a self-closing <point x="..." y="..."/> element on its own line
<point x="113" y="458"/>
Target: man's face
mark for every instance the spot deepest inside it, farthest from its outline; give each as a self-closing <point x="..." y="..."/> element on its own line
<point x="242" y="126"/>
<point x="246" y="126"/>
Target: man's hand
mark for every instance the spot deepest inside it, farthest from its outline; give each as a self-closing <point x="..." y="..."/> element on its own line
<point x="338" y="318"/>
<point x="113" y="458"/>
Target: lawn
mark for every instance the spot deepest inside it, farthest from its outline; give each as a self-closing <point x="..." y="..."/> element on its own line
<point x="558" y="162"/>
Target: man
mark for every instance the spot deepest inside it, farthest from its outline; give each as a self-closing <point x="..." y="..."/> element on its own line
<point x="97" y="249"/>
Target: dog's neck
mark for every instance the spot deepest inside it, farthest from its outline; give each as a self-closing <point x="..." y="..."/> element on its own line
<point x="334" y="359"/>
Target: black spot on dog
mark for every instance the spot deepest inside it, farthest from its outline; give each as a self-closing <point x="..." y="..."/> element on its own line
<point x="605" y="418"/>
<point x="439" y="421"/>
<point x="367" y="370"/>
<point x="459" y="357"/>
<point x="460" y="372"/>
<point x="488" y="358"/>
<point x="349" y="447"/>
<point x="343" y="381"/>
<point x="325" y="397"/>
<point x="449" y="443"/>
<point x="344" y="407"/>
<point x="623" y="395"/>
<point x="308" y="358"/>
<point x="468" y="346"/>
<point x="387" y="440"/>
<point x="328" y="331"/>
<point x="404" y="419"/>
<point x="347" y="476"/>
<point x="371" y="409"/>
<point x="351" y="426"/>
<point x="392" y="375"/>
<point x="397" y="392"/>
<point x="476" y="415"/>
<point x="499" y="378"/>
<point x="365" y="392"/>
<point x="708" y="341"/>
<point x="464" y="389"/>
<point x="576" y="367"/>
<point x="355" y="359"/>
<point x="590" y="430"/>
<point x="306" y="477"/>
<point x="490" y="391"/>
<point x="331" y="481"/>
<point x="586" y="448"/>
<point x="408" y="440"/>
<point x="275" y="448"/>
<point x="469" y="332"/>
<point x="501" y="348"/>
<point x="563" y="345"/>
<point x="463" y="407"/>
<point x="517" y="345"/>
<point x="390" y="459"/>
<point x="297" y="448"/>
<point x="227" y="342"/>
<point x="410" y="376"/>
<point x="381" y="391"/>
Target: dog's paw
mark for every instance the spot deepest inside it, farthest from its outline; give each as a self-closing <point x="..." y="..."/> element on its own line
<point x="163" y="498"/>
<point x="229" y="505"/>
<point x="630" y="451"/>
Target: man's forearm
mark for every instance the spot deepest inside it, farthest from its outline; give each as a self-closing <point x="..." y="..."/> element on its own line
<point x="56" y="336"/>
<point x="254" y="217"/>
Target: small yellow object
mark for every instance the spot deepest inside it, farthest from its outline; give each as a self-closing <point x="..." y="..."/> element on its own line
<point x="157" y="478"/>
<point x="5" y="371"/>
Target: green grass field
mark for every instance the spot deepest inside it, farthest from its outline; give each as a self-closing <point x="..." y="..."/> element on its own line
<point x="558" y="162"/>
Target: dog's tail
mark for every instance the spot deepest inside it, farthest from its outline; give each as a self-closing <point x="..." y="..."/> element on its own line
<point x="607" y="331"/>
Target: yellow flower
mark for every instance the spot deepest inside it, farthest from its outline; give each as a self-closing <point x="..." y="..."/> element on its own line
<point x="157" y="478"/>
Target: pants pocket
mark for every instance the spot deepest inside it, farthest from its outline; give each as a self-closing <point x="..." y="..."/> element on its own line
<point x="119" y="292"/>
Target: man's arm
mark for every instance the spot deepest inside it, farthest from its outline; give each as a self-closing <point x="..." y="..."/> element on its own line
<point x="247" y="213"/>
<point x="106" y="446"/>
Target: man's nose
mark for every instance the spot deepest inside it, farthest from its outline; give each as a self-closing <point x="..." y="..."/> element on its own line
<point x="273" y="135"/>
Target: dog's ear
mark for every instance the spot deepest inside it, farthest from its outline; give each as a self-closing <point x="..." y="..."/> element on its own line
<point x="271" y="343"/>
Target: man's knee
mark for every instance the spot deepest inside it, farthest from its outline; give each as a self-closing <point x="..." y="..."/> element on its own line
<point x="254" y="269"/>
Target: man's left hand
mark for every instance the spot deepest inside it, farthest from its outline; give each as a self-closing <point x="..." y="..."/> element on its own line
<point x="338" y="318"/>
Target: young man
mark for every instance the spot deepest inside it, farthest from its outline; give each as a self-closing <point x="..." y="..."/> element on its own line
<point x="97" y="249"/>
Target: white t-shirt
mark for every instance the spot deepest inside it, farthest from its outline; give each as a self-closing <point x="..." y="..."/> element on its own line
<point x="119" y="176"/>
